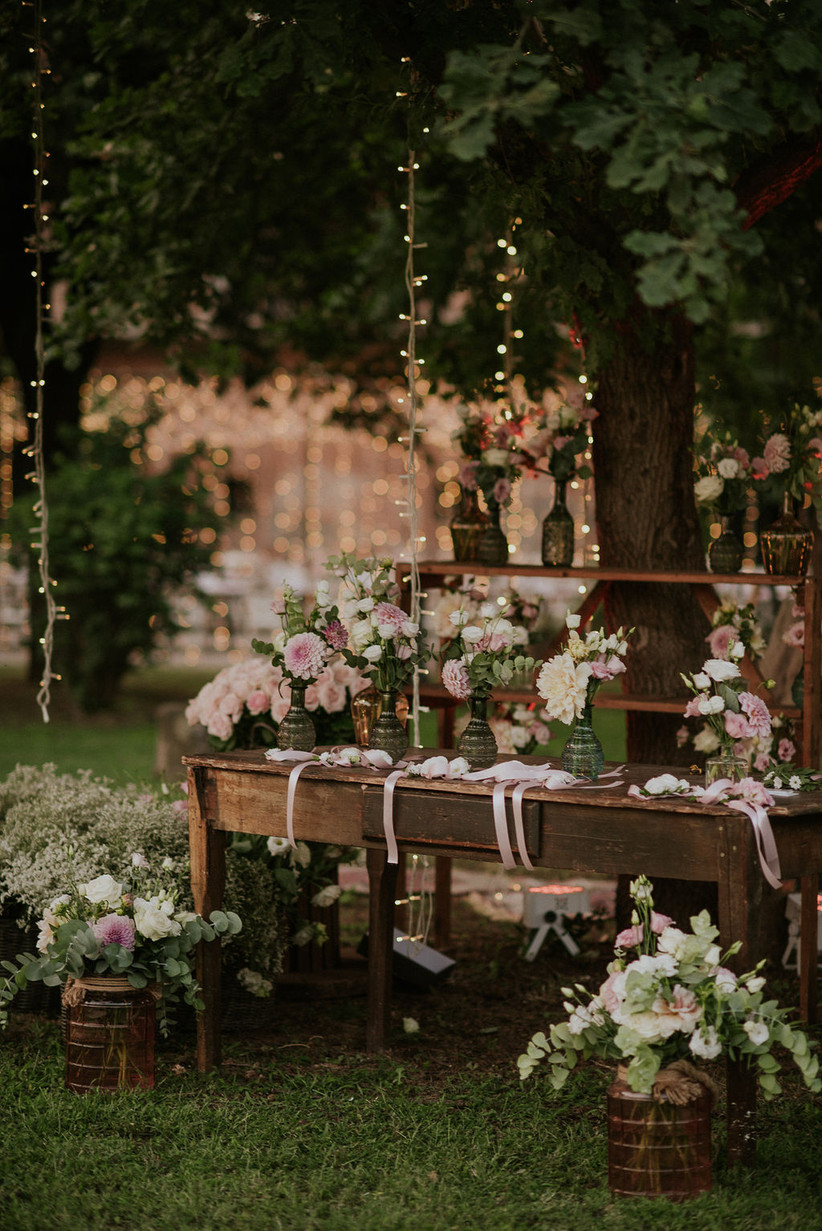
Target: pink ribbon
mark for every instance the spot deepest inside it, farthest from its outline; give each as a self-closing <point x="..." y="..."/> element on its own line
<point x="758" y="816"/>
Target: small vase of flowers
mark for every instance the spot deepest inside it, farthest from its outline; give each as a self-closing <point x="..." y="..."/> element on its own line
<point x="669" y="1002"/>
<point x="481" y="655"/>
<point x="789" y="469"/>
<point x="568" y="683"/>
<point x="384" y="643"/>
<point x="122" y="950"/>
<point x="733" y="713"/>
<point x="490" y="439"/>
<point x="724" y="478"/>
<point x="302" y="651"/>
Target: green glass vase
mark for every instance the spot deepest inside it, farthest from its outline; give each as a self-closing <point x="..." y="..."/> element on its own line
<point x="582" y="755"/>
<point x="725" y="553"/>
<point x="297" y="727"/>
<point x="786" y="546"/>
<point x="388" y="734"/>
<point x="466" y="526"/>
<point x="478" y="743"/>
<point x="558" y="531"/>
<point x="492" y="545"/>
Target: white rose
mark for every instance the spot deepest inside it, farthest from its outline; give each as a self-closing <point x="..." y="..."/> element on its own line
<point x="710" y="705"/>
<point x="704" y="1042"/>
<point x="152" y="921"/>
<point x="701" y="680"/>
<point x="326" y="896"/>
<point x="720" y="669"/>
<point x="488" y="610"/>
<point x="571" y="620"/>
<point x="373" y="653"/>
<point x="472" y="633"/>
<point x="102" y="891"/>
<point x="409" y="628"/>
<point x="755" y="985"/>
<point x="706" y="740"/>
<point x="709" y="489"/>
<point x="458" y="617"/>
<point x="729" y="467"/>
<point x="365" y="604"/>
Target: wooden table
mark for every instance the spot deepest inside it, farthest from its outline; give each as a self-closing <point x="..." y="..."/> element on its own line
<point x="579" y="828"/>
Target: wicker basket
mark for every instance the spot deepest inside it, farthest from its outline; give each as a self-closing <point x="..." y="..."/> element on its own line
<point x="34" y="997"/>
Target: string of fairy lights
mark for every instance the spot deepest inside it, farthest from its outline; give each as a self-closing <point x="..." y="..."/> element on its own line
<point x="34" y="450"/>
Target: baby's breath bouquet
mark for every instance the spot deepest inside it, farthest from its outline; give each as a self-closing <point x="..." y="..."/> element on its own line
<point x="673" y="1000"/>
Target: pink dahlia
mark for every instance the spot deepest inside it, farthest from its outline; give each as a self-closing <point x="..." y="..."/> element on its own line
<point x="336" y="634"/>
<point x="720" y="640"/>
<point x="455" y="679"/>
<point x="389" y="617"/>
<point x="757" y="712"/>
<point x="304" y="656"/>
<point x="115" y="930"/>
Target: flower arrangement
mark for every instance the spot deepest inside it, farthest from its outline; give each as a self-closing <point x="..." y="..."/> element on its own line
<point x="306" y="643"/>
<point x="732" y="622"/>
<point x="519" y="729"/>
<point x="721" y="697"/>
<point x="675" y="999"/>
<point x="569" y="681"/>
<point x="134" y="928"/>
<point x="724" y="475"/>
<point x="237" y="708"/>
<point x="383" y="642"/>
<point x="792" y="456"/>
<point x="482" y="653"/>
<point x="490" y="439"/>
<point x="562" y="438"/>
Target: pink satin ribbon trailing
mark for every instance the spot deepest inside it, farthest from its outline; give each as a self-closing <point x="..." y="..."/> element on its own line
<point x="392" y="852"/>
<point x="763" y="832"/>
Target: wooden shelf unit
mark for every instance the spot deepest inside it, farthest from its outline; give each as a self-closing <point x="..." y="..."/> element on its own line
<point x="809" y="594"/>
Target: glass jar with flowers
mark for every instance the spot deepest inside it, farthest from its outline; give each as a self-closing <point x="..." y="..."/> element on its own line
<point x="556" y="447"/>
<point x="668" y="1002"/>
<point x="733" y="713"/>
<point x="480" y="656"/>
<point x="302" y="650"/>
<point x="790" y="469"/>
<point x="568" y="683"/>
<point x="123" y="950"/>
<point x="723" y="482"/>
<point x="490" y="439"/>
<point x="385" y="644"/>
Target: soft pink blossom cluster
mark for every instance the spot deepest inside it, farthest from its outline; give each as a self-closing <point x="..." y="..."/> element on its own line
<point x="256" y="686"/>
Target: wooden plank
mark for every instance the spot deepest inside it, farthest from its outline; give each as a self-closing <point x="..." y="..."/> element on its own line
<point x="207" y="854"/>
<point x="458" y="823"/>
<point x="808" y="948"/>
<point x="430" y="570"/>
<point x="382" y="882"/>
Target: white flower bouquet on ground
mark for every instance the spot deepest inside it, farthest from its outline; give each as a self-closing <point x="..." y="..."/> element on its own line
<point x="674" y="1000"/>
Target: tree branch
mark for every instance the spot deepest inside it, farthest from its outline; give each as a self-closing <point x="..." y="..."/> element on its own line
<point x="774" y="179"/>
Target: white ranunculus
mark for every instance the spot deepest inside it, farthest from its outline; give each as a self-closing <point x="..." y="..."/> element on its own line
<point x="458" y="767"/>
<point x="572" y="620"/>
<point x="409" y="628"/>
<point x="373" y="653"/>
<point x="458" y="617"/>
<point x="755" y="984"/>
<point x="710" y="705"/>
<point x="102" y="891"/>
<point x="709" y="489"/>
<point x="701" y="680"/>
<point x="488" y="610"/>
<point x="720" y="669"/>
<point x="471" y="634"/>
<point x="152" y="920"/>
<point x="361" y="633"/>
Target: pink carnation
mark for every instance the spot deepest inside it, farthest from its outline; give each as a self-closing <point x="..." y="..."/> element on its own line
<point x="758" y="714"/>
<point x="719" y="639"/>
<point x="777" y="453"/>
<point x="304" y="656"/>
<point x="115" y="930"/>
<point x="455" y="679"/>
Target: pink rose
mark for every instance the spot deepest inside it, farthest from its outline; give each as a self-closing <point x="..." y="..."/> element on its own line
<point x="786" y="750"/>
<point x="660" y="922"/>
<point x="220" y="726"/>
<point x="737" y="726"/>
<point x="332" y="696"/>
<point x="258" y="701"/>
<point x="630" y="937"/>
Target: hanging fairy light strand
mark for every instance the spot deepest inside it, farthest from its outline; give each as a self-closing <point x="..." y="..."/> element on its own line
<point x="40" y="532"/>
<point x="590" y="549"/>
<point x="413" y="365"/>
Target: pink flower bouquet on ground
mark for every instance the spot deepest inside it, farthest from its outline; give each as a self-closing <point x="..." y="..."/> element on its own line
<point x="673" y="1000"/>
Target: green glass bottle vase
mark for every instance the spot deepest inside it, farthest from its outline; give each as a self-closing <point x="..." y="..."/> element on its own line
<point x="558" y="531"/>
<point x="582" y="755"/>
<point x="478" y="743"/>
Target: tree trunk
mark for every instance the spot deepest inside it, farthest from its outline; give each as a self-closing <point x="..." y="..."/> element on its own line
<point x="647" y="516"/>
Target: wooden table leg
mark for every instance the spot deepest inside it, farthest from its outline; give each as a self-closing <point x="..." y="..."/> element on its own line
<point x="382" y="882"/>
<point x="442" y="900"/>
<point x="207" y="848"/>
<point x="808" y="948"/>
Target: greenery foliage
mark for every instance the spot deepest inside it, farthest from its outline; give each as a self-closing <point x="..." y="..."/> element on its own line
<point x="123" y="537"/>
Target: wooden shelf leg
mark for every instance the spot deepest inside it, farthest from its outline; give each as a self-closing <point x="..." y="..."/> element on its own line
<point x="442" y="901"/>
<point x="382" y="888"/>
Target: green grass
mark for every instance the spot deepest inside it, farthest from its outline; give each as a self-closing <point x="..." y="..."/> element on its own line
<point x="353" y="1143"/>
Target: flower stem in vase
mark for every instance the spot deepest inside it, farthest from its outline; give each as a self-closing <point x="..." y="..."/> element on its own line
<point x="726" y="765"/>
<point x="582" y="755"/>
<point x="477" y="743"/>
<point x="297" y="727"/>
<point x="388" y="733"/>
<point x="558" y="531"/>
